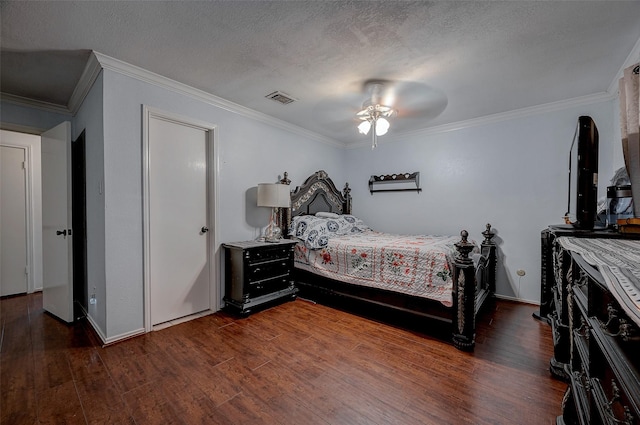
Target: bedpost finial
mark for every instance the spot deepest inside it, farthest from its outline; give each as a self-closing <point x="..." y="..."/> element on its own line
<point x="285" y="179"/>
<point x="488" y="235"/>
<point x="464" y="248"/>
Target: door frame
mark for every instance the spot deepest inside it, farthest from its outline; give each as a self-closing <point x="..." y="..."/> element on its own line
<point x="30" y="212"/>
<point x="212" y="203"/>
<point x="28" y="250"/>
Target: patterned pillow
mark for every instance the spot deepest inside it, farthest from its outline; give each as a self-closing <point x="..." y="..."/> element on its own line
<point x="353" y="224"/>
<point x="316" y="231"/>
<point x="301" y="225"/>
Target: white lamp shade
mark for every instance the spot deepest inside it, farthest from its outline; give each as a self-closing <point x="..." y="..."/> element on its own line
<point x="382" y="126"/>
<point x="364" y="127"/>
<point x="273" y="195"/>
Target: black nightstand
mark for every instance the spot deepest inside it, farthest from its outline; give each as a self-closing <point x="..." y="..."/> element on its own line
<point x="257" y="273"/>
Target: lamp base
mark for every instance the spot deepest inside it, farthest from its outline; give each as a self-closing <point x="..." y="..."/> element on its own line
<point x="272" y="233"/>
<point x="275" y="236"/>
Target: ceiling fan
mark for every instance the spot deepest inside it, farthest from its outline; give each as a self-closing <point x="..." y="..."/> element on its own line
<point x="375" y="111"/>
<point x="378" y="106"/>
<point x="399" y="101"/>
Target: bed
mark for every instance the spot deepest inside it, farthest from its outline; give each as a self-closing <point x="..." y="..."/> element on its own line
<point x="443" y="278"/>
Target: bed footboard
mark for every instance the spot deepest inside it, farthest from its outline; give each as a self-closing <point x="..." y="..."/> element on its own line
<point x="471" y="287"/>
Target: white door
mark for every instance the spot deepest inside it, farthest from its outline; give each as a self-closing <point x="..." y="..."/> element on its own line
<point x="57" y="266"/>
<point x="13" y="221"/>
<point x="179" y="275"/>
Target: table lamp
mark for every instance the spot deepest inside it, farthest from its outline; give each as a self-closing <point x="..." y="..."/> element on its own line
<point x="276" y="196"/>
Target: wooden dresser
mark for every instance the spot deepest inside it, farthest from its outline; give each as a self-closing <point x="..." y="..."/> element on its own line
<point x="547" y="236"/>
<point x="603" y="339"/>
<point x="553" y="290"/>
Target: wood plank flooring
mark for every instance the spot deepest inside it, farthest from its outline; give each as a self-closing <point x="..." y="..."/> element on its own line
<point x="295" y="363"/>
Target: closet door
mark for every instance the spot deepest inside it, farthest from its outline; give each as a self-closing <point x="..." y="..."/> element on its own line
<point x="178" y="242"/>
<point x="13" y="221"/>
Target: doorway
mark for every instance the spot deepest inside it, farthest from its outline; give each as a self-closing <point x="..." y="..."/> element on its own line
<point x="79" y="225"/>
<point x="28" y="165"/>
<point x="179" y="193"/>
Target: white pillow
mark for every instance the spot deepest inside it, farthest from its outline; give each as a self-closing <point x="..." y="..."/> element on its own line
<point x="327" y="214"/>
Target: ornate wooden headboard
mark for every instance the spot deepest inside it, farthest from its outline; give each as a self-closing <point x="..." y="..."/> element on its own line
<point x="317" y="193"/>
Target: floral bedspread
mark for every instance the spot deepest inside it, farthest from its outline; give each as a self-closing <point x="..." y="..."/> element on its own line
<point x="418" y="265"/>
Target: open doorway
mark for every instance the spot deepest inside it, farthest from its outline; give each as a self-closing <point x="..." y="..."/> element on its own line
<point x="79" y="225"/>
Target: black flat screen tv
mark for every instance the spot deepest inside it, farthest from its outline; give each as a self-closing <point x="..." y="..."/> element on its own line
<point x="587" y="176"/>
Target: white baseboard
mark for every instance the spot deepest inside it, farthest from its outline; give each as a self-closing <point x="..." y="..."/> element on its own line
<point x="111" y="340"/>
<point x="96" y="329"/>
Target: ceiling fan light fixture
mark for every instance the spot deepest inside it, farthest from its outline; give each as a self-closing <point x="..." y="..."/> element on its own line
<point x="364" y="127"/>
<point x="374" y="116"/>
<point x="382" y="126"/>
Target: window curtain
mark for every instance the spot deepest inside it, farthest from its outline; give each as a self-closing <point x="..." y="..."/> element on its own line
<point x="630" y="127"/>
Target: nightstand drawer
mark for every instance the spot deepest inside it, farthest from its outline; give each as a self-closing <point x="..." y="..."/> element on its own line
<point x="257" y="256"/>
<point x="262" y="271"/>
<point x="267" y="286"/>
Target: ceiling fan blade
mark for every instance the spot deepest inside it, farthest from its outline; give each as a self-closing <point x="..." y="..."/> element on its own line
<point x="414" y="102"/>
<point x="418" y="100"/>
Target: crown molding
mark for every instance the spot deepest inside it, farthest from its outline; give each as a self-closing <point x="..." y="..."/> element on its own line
<point x="494" y="118"/>
<point x="32" y="103"/>
<point x="141" y="74"/>
<point x="89" y="75"/>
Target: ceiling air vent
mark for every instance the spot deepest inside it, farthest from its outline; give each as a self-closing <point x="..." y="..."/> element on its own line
<point x="283" y="98"/>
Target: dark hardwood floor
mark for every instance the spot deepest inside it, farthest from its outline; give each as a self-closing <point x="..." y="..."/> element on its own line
<point x="295" y="363"/>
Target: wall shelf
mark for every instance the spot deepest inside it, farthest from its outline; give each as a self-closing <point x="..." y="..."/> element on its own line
<point x="402" y="182"/>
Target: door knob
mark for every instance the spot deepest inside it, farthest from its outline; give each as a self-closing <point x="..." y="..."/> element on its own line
<point x="204" y="229"/>
<point x="62" y="232"/>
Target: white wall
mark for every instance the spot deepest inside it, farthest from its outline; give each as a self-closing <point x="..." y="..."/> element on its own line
<point x="512" y="174"/>
<point x="250" y="152"/>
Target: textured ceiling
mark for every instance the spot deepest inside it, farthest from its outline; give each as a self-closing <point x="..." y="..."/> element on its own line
<point x="472" y="58"/>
